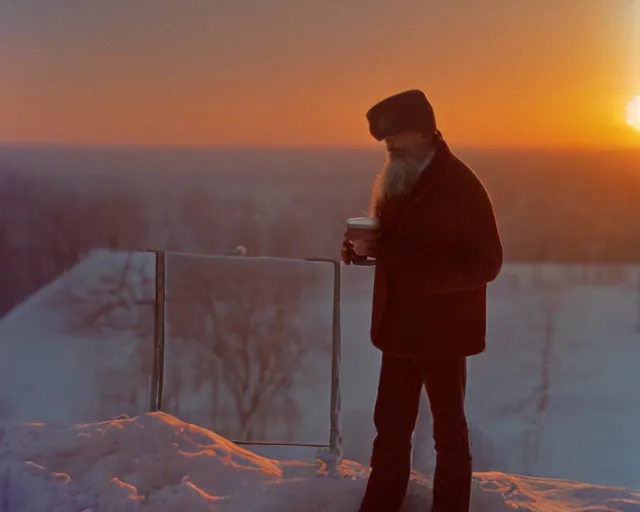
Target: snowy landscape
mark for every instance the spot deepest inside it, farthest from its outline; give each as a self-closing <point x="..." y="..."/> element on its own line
<point x="565" y="412"/>
<point x="176" y="333"/>
<point x="552" y="404"/>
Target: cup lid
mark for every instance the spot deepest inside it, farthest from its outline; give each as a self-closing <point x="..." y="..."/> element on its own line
<point x="362" y="222"/>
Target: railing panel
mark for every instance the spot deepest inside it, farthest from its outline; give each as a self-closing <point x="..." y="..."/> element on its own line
<point x="248" y="346"/>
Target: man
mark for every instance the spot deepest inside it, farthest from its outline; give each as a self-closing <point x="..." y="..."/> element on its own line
<point x="437" y="248"/>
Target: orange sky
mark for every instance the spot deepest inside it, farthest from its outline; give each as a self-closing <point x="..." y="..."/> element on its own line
<point x="286" y="72"/>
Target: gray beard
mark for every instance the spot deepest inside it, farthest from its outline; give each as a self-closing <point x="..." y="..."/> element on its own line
<point x="399" y="176"/>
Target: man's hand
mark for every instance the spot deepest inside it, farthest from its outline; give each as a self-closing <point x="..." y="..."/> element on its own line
<point x="358" y="250"/>
<point x="346" y="253"/>
<point x="365" y="248"/>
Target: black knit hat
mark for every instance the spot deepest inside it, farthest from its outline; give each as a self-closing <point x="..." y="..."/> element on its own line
<point x="408" y="111"/>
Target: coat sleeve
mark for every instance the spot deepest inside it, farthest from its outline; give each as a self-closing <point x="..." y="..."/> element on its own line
<point x="476" y="262"/>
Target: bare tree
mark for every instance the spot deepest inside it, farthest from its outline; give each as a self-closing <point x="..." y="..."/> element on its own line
<point x="551" y="289"/>
<point x="242" y="322"/>
<point x="113" y="306"/>
<point x="543" y="389"/>
<point x="20" y="238"/>
<point x="119" y="297"/>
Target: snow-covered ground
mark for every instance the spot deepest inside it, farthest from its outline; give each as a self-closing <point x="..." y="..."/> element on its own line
<point x="53" y="369"/>
<point x="156" y="462"/>
<point x="552" y="397"/>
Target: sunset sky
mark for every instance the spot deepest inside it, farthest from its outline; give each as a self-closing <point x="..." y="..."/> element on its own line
<point x="301" y="72"/>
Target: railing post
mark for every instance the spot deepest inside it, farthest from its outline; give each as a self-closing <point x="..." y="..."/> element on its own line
<point x="335" y="440"/>
<point x="157" y="376"/>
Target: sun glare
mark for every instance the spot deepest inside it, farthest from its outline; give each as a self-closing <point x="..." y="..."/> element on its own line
<point x="633" y="113"/>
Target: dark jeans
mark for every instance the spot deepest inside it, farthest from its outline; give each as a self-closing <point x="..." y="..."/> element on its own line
<point x="395" y="415"/>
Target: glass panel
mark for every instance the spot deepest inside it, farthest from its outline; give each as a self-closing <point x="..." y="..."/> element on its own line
<point x="248" y="349"/>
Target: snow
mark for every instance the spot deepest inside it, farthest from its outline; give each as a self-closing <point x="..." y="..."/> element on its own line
<point x="156" y="462"/>
<point x="51" y="372"/>
<point x="568" y="413"/>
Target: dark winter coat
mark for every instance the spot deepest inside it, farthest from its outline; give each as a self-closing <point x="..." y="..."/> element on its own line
<point x="439" y="248"/>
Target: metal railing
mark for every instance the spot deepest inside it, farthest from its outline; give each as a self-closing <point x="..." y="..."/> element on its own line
<point x="157" y="377"/>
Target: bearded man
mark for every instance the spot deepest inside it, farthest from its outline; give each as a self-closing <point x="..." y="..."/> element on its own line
<point x="436" y="249"/>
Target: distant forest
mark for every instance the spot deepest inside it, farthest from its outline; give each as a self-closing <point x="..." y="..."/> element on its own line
<point x="563" y="207"/>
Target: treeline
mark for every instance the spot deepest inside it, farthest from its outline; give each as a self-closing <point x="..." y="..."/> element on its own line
<point x="567" y="208"/>
<point x="551" y="208"/>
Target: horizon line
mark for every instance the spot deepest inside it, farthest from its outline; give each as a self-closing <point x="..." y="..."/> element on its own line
<point x="301" y="147"/>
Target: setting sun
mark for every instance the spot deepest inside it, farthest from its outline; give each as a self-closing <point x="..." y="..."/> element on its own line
<point x="633" y="113"/>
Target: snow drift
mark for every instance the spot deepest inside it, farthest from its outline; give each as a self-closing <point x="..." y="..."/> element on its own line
<point x="156" y="462"/>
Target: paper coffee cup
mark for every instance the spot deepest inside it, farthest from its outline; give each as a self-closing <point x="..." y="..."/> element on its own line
<point x="361" y="228"/>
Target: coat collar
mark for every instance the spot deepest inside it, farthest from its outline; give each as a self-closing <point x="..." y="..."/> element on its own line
<point x="433" y="171"/>
<point x="432" y="176"/>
